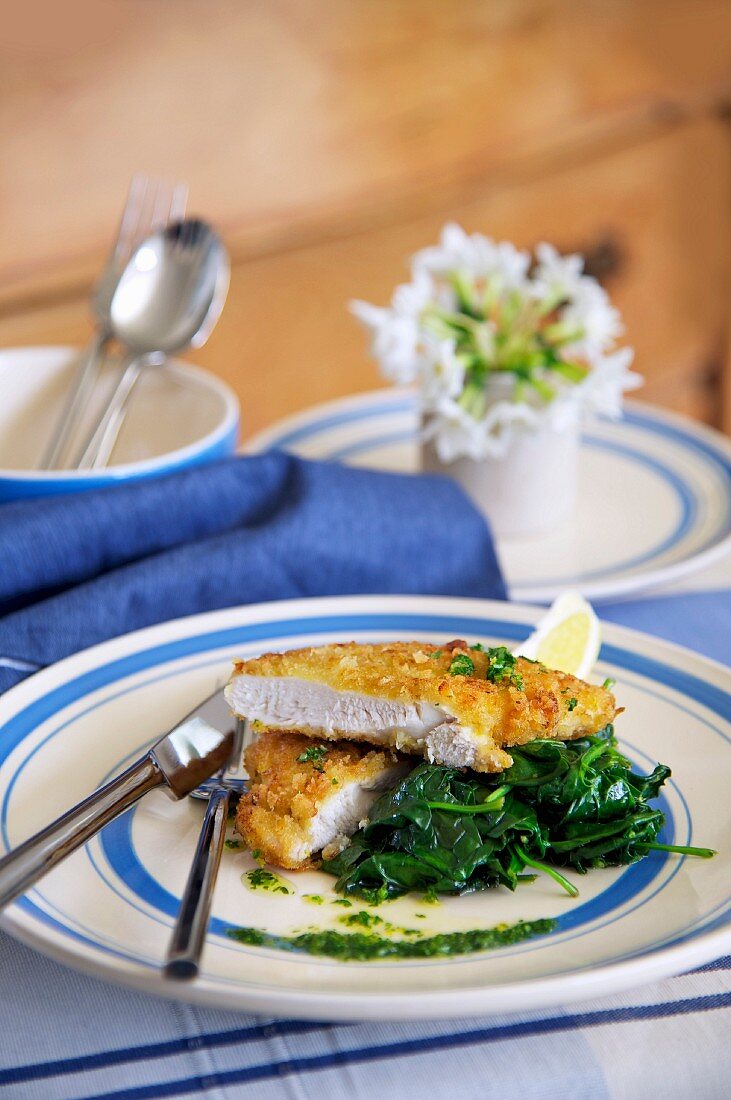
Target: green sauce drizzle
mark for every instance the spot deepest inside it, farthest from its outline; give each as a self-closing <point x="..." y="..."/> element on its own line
<point x="363" y="946"/>
<point x="362" y="918"/>
<point x="261" y="879"/>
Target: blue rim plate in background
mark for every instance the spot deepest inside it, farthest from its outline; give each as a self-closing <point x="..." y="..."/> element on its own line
<point x="654" y="492"/>
<point x="108" y="910"/>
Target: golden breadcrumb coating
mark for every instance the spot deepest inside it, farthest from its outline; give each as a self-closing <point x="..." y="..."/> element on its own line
<point x="497" y="715"/>
<point x="285" y="793"/>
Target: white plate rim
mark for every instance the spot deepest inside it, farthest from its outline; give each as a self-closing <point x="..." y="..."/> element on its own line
<point x="515" y="996"/>
<point x="537" y="592"/>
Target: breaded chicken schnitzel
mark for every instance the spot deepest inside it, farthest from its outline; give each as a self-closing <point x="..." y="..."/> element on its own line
<point x="454" y="704"/>
<point x="304" y="796"/>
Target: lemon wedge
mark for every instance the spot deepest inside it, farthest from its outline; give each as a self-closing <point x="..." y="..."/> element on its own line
<point x="567" y="638"/>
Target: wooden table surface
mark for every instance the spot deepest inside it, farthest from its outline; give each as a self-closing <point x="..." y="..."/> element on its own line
<point x="329" y="140"/>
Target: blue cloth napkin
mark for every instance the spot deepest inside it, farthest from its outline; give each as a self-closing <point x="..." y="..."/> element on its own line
<point x="699" y="620"/>
<point x="79" y="569"/>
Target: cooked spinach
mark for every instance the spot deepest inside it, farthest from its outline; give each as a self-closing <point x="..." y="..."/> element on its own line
<point x="575" y="804"/>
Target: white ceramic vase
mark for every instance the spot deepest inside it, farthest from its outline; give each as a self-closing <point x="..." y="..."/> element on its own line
<point x="527" y="492"/>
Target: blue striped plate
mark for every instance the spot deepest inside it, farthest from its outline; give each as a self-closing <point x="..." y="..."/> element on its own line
<point x="110" y="907"/>
<point x="654" y="492"/>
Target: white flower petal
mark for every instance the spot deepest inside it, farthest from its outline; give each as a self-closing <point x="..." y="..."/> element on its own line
<point x="476" y="254"/>
<point x="410" y="299"/>
<point x="556" y="271"/>
<point x="442" y="374"/>
<point x="369" y="315"/>
<point x="395" y="341"/>
<point x="407" y="353"/>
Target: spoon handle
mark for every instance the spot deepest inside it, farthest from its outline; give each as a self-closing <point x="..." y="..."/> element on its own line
<point x="100" y="443"/>
<point x="85" y="376"/>
<point x="189" y="934"/>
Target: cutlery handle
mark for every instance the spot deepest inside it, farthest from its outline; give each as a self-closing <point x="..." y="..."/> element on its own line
<point x="190" y="929"/>
<point x="100" y="443"/>
<point x="22" y="867"/>
<point x="82" y="384"/>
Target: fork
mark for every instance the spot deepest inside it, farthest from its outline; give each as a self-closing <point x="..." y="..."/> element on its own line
<point x="222" y="792"/>
<point x="150" y="204"/>
<point x="183" y="292"/>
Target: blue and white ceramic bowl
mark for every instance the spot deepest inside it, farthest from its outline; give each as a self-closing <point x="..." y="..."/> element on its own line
<point x="179" y="416"/>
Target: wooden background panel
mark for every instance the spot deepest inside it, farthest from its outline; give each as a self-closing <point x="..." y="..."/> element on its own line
<point x="294" y="122"/>
<point x="286" y="340"/>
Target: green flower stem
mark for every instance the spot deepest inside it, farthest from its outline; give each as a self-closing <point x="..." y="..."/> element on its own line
<point x="562" y="333"/>
<point x="547" y="392"/>
<point x="465" y="290"/>
<point x="572" y="372"/>
<point x="473" y="401"/>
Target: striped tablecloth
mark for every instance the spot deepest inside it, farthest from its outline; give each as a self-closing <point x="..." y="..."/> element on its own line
<point x="64" y="1035"/>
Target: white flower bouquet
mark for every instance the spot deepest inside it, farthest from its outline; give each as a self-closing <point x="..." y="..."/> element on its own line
<point x="507" y="351"/>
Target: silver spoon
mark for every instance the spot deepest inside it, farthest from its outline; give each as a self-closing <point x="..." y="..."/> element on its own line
<point x="150" y="204"/>
<point x="169" y="297"/>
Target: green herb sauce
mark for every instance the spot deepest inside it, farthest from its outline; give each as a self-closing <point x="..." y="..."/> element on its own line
<point x="261" y="879"/>
<point x="362" y="918"/>
<point x="363" y="946"/>
<point x="365" y="920"/>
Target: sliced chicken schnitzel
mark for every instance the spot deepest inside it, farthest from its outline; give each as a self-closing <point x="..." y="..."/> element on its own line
<point x="304" y="795"/>
<point x="454" y="704"/>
